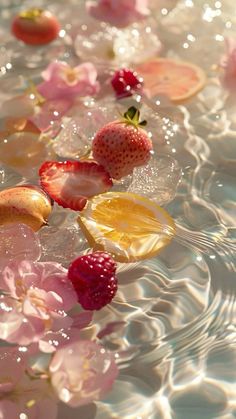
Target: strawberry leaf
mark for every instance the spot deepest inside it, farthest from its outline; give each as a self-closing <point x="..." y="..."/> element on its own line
<point x="143" y="123"/>
<point x="132" y="115"/>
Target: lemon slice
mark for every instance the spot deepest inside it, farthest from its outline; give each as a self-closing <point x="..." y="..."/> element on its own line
<point x="128" y="226"/>
<point x="179" y="80"/>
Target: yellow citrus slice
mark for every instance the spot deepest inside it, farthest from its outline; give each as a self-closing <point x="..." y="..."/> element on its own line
<point x="178" y="80"/>
<point x="128" y="226"/>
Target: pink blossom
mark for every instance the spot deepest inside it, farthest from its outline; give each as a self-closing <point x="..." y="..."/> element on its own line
<point x="82" y="372"/>
<point x="228" y="63"/>
<point x="34" y="399"/>
<point x="53" y="341"/>
<point x="64" y="82"/>
<point x="36" y="296"/>
<point x="18" y="393"/>
<point x="49" y="115"/>
<point x="119" y="13"/>
<point x="12" y="367"/>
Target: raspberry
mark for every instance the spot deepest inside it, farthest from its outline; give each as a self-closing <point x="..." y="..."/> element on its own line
<point x="125" y="82"/>
<point x="94" y="280"/>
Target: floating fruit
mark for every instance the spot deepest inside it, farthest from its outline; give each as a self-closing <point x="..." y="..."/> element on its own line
<point x="176" y="79"/>
<point x="70" y="183"/>
<point x="94" y="280"/>
<point x="24" y="204"/>
<point x="125" y="82"/>
<point x="128" y="226"/>
<point x="35" y="26"/>
<point x="122" y="145"/>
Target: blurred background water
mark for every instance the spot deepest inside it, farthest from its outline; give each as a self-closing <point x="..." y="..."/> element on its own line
<point x="173" y="322"/>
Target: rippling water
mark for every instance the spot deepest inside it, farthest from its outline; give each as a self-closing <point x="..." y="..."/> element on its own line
<point x="173" y="322"/>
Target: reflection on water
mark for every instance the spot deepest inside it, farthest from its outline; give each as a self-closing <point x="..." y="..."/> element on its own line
<point x="179" y="308"/>
<point x="173" y="322"/>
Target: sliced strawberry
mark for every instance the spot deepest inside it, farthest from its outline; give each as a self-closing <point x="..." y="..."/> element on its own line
<point x="70" y="183"/>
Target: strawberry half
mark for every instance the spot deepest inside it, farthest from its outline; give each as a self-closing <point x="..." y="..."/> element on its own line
<point x="70" y="183"/>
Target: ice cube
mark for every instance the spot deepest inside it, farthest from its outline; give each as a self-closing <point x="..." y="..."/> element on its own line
<point x="158" y="180"/>
<point x="136" y="43"/>
<point x="101" y="42"/>
<point x="61" y="245"/>
<point x="18" y="241"/>
<point x="75" y="138"/>
<point x="5" y="57"/>
<point x="71" y="141"/>
<point x="95" y="42"/>
<point x="8" y="177"/>
<point x="123" y="184"/>
<point x="24" y="152"/>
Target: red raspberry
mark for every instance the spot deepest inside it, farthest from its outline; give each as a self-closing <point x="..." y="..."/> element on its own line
<point x="94" y="280"/>
<point x="125" y="82"/>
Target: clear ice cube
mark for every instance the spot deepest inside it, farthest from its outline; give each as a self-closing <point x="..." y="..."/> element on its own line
<point x="23" y="152"/>
<point x="158" y="180"/>
<point x="17" y="242"/>
<point x="78" y="131"/>
<point x="136" y="43"/>
<point x="101" y="42"/>
<point x="62" y="245"/>
<point x="8" y="177"/>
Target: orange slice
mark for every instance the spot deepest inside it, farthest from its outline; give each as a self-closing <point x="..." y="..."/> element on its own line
<point x="178" y="80"/>
<point x="128" y="226"/>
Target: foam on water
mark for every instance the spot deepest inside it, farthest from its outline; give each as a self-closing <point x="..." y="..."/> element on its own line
<point x="172" y="324"/>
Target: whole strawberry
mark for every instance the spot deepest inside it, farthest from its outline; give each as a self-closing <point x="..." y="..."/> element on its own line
<point x="122" y="145"/>
<point x="94" y="280"/>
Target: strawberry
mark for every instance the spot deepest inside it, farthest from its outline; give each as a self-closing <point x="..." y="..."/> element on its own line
<point x="125" y="82"/>
<point x="70" y="183"/>
<point x="35" y="26"/>
<point x="94" y="280"/>
<point x="120" y="146"/>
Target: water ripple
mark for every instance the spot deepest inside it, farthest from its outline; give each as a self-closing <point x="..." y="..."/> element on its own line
<point x="172" y="324"/>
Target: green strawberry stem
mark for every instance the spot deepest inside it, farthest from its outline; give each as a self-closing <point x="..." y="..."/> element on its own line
<point x="31" y="14"/>
<point x="131" y="117"/>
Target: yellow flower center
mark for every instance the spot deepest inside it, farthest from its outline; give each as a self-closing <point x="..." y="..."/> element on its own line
<point x="71" y="76"/>
<point x="36" y="300"/>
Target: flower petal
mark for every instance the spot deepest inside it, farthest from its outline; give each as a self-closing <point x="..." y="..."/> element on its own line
<point x="82" y="372"/>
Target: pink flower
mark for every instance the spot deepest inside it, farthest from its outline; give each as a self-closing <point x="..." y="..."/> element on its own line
<point x="49" y="115"/>
<point x="34" y="399"/>
<point x="36" y="296"/>
<point x="19" y="394"/>
<point x="12" y="367"/>
<point x="119" y="13"/>
<point x="82" y="372"/>
<point x="26" y="399"/>
<point x="64" y="82"/>
<point x="228" y="63"/>
<point x="53" y="341"/>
